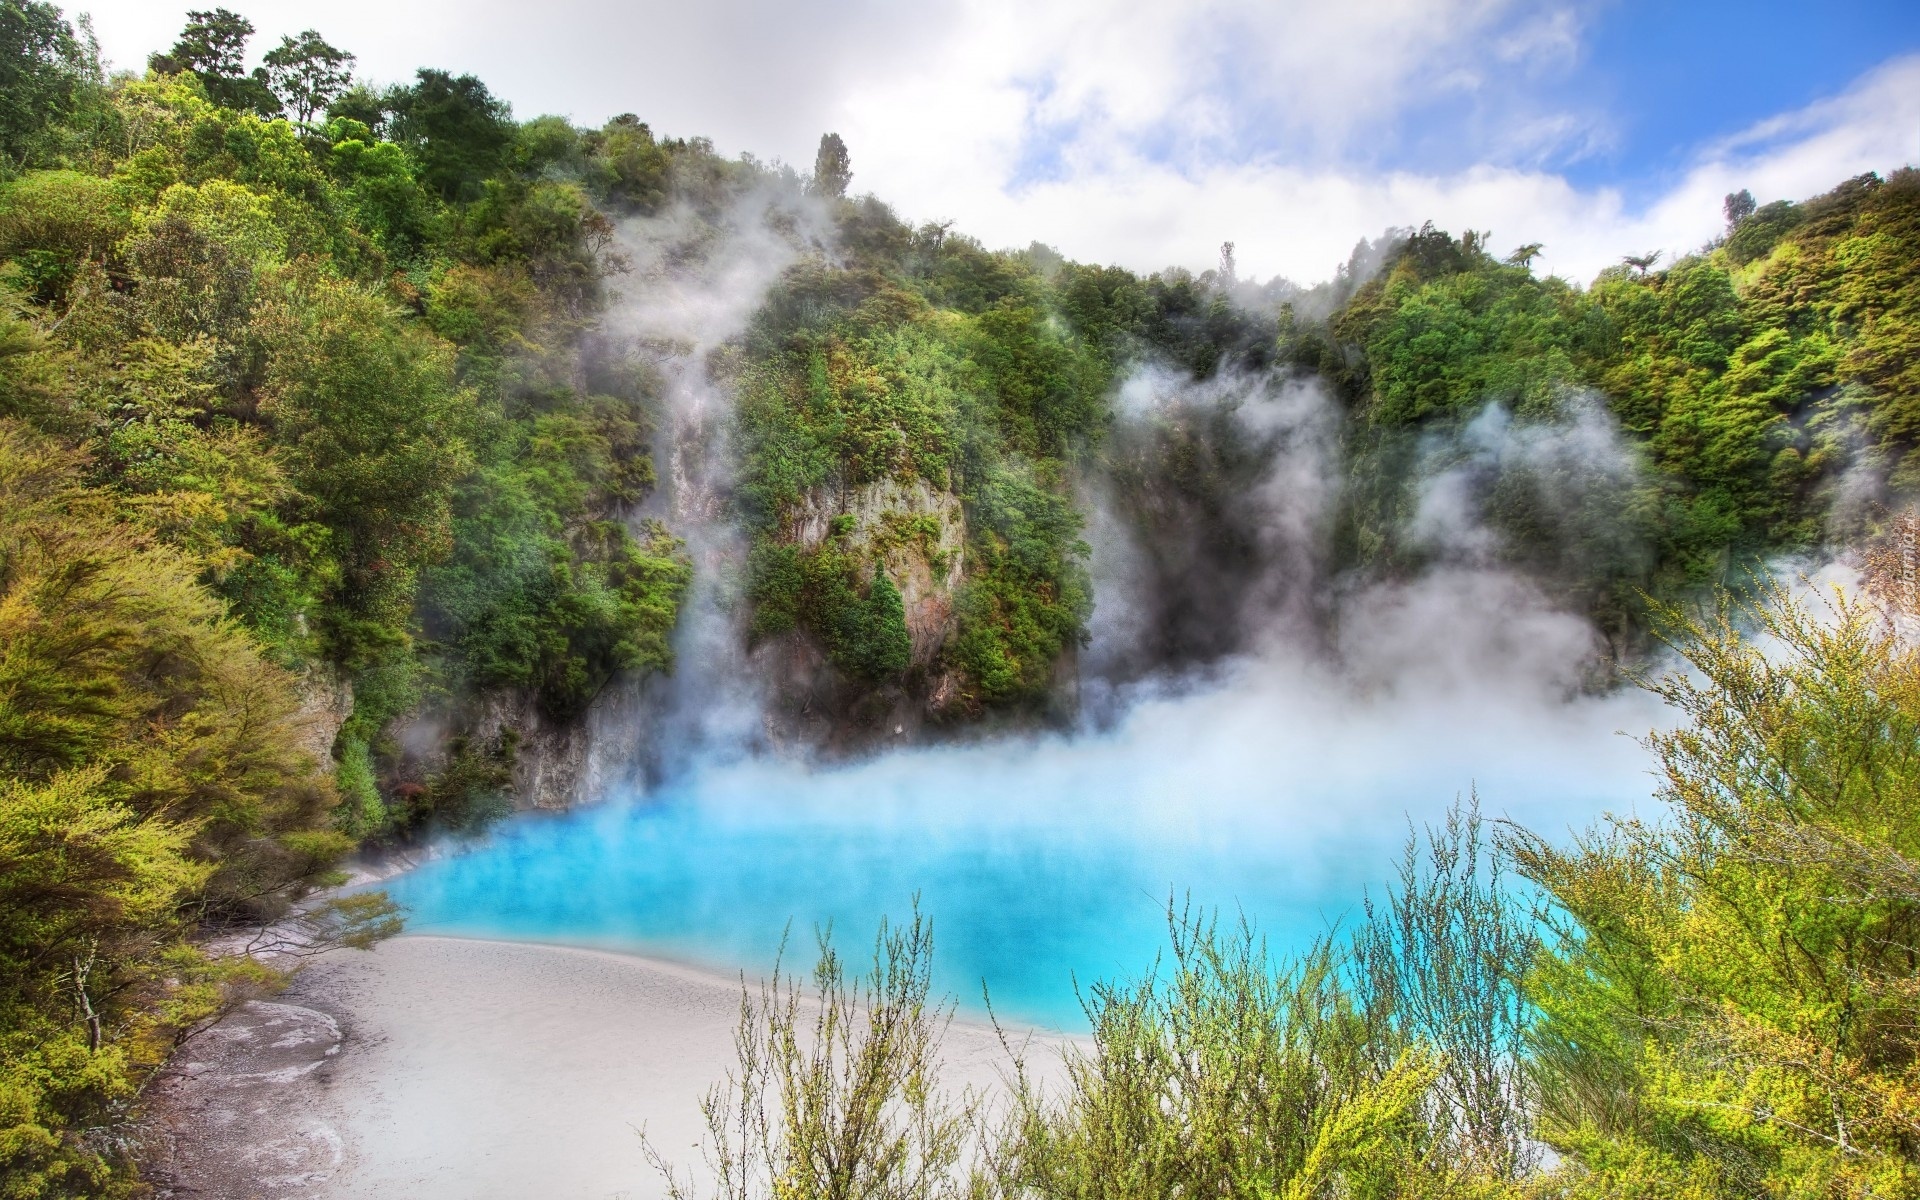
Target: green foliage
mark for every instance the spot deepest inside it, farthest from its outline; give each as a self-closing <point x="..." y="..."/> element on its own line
<point x="1196" y="323"/>
<point x="1224" y="1076"/>
<point x="108" y="636"/>
<point x="380" y="190"/>
<point x="1729" y="1006"/>
<point x="213" y="48"/>
<point x="865" y="636"/>
<point x="416" y="476"/>
<point x="306" y="74"/>
<point x="51" y="222"/>
<point x="30" y="381"/>
<point x="63" y="841"/>
<point x="454" y="128"/>
<point x="48" y="74"/>
<point x="876" y="394"/>
<point x="1842" y="286"/>
<point x="1756" y="233"/>
<point x="1436" y="966"/>
<point x="948" y="371"/>
<point x="838" y="1092"/>
<point x="1047" y="398"/>
<point x="1454" y="344"/>
<point x="153" y="772"/>
<point x="1029" y="598"/>
<point x="528" y="609"/>
<point x="633" y="171"/>
<point x="1102" y="305"/>
<point x="1751" y="377"/>
<point x="886" y="646"/>
<point x="366" y="408"/>
<point x="832" y="168"/>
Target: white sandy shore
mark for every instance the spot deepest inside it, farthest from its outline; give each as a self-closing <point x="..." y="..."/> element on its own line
<point x="466" y="1069"/>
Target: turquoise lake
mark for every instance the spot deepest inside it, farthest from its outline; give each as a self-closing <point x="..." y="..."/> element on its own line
<point x="1044" y="864"/>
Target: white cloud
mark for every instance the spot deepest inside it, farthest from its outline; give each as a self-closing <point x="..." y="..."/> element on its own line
<point x="1128" y="131"/>
<point x="1113" y="203"/>
<point x="762" y="75"/>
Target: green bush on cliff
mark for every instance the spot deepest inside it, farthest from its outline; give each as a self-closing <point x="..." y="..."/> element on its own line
<point x="1029" y="597"/>
<point x="934" y="361"/>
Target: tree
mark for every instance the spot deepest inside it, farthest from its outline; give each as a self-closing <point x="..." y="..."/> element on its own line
<point x="455" y="127"/>
<point x="1730" y="997"/>
<point x="45" y="70"/>
<point x="152" y="775"/>
<point x="1739" y="206"/>
<point x="832" y="169"/>
<point x="361" y="103"/>
<point x="213" y="43"/>
<point x="213" y="47"/>
<point x="307" y="74"/>
<point x="1438" y="963"/>
<point x="888" y="647"/>
<point x="366" y="408"/>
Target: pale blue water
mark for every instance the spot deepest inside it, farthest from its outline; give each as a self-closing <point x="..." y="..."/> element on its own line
<point x="1040" y="863"/>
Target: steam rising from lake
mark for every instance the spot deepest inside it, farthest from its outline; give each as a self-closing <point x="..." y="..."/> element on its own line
<point x="1270" y="762"/>
<point x="1281" y="789"/>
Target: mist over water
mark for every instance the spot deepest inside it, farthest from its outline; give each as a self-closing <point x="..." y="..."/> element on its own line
<point x="1041" y="861"/>
<point x="1255" y="734"/>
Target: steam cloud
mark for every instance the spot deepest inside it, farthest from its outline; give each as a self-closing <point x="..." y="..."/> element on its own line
<point x="695" y="279"/>
<point x="1255" y="725"/>
<point x="1222" y="648"/>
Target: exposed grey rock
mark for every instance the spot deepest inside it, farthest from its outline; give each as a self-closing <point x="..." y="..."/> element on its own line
<point x="237" y="1111"/>
<point x="326" y="701"/>
<point x="919" y="534"/>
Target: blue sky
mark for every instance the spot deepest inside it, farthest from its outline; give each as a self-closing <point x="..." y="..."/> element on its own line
<point x="1147" y="133"/>
<point x="1672" y="76"/>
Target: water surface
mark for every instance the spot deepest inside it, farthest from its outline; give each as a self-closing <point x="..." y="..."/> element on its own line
<point x="1046" y="864"/>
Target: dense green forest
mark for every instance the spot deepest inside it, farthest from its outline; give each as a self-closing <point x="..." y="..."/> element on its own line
<point x="283" y="403"/>
<point x="313" y="426"/>
<point x="1760" y="388"/>
<point x="1759" y="381"/>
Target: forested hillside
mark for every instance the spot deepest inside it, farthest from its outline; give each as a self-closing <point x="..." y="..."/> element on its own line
<point x="302" y="428"/>
<point x="1766" y="385"/>
<point x="315" y="431"/>
<point x="922" y="404"/>
<point x="1759" y="392"/>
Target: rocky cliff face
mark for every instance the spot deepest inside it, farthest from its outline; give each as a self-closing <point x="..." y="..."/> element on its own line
<point x="326" y="701"/>
<point x="552" y="760"/>
<point x="553" y="763"/>
<point x="918" y="534"/>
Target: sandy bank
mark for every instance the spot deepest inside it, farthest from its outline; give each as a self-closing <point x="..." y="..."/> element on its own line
<point x="439" y="1067"/>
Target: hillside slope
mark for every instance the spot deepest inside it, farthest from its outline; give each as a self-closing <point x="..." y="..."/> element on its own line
<point x="330" y="506"/>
